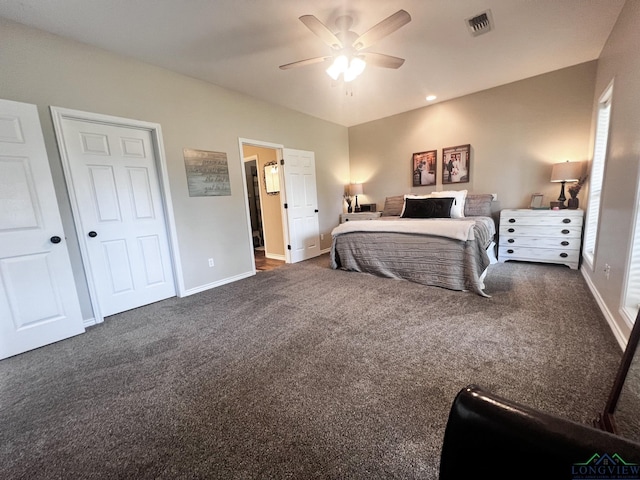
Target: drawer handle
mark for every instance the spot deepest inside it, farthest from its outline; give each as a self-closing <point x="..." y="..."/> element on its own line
<point x="565" y="231"/>
<point x="511" y="230"/>
<point x="566" y="220"/>
<point x="510" y="251"/>
<point x="564" y="243"/>
<point x="511" y="240"/>
<point x="564" y="255"/>
<point x="512" y="220"/>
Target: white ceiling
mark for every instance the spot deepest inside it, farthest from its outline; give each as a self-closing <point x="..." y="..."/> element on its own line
<point x="239" y="44"/>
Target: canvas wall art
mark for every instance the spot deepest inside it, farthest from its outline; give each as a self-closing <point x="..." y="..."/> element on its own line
<point x="207" y="173"/>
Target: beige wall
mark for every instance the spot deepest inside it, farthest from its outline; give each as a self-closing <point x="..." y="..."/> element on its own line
<point x="271" y="204"/>
<point x="619" y="62"/>
<point x="516" y="131"/>
<point x="46" y="70"/>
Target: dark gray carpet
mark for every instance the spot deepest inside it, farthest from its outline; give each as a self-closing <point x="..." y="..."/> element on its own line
<point x="301" y="372"/>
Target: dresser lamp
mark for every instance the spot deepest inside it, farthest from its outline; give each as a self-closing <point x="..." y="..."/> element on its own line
<point x="355" y="189"/>
<point x="565" y="172"/>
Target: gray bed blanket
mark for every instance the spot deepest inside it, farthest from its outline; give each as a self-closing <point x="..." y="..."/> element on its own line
<point x="426" y="259"/>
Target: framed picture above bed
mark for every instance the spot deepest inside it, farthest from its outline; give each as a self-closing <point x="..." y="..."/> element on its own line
<point x="424" y="168"/>
<point x="456" y="164"/>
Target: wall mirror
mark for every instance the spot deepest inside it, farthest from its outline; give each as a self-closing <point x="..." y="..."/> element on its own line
<point x="271" y="178"/>
<point x="622" y="411"/>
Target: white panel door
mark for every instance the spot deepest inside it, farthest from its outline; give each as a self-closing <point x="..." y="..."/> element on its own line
<point x="302" y="204"/>
<point x="116" y="185"/>
<point x="38" y="298"/>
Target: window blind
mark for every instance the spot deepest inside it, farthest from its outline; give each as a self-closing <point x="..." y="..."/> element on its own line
<point x="597" y="176"/>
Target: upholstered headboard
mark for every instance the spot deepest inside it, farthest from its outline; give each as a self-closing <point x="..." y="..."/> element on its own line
<point x="476" y="205"/>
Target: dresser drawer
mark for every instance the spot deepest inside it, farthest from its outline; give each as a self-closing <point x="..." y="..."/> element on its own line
<point x="541" y="220"/>
<point x="539" y="254"/>
<point x="537" y="231"/>
<point x="347" y="217"/>
<point x="568" y="243"/>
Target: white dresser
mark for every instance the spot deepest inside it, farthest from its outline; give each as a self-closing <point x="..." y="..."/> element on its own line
<point x="550" y="236"/>
<point x="347" y="217"/>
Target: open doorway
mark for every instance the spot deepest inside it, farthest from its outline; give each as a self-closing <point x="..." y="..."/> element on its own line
<point x="265" y="206"/>
<point x="288" y="200"/>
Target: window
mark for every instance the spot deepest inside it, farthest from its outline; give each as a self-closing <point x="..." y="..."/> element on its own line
<point x="597" y="176"/>
<point x="631" y="301"/>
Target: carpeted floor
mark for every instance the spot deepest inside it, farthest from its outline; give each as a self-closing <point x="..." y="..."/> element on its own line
<point x="300" y="372"/>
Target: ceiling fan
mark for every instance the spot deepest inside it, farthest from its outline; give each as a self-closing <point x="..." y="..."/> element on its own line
<point x="348" y="55"/>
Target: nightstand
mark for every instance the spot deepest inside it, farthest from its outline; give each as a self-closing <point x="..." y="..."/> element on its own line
<point x="349" y="217"/>
<point x="549" y="236"/>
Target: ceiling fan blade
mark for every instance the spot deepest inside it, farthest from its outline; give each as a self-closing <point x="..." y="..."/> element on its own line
<point x="380" y="60"/>
<point x="322" y="31"/>
<point x="382" y="29"/>
<point x="302" y="63"/>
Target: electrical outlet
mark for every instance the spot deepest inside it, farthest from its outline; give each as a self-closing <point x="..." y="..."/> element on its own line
<point x="607" y="270"/>
<point x="322" y="236"/>
<point x="211" y="264"/>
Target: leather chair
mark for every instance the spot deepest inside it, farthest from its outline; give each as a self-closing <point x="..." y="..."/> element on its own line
<point x="490" y="437"/>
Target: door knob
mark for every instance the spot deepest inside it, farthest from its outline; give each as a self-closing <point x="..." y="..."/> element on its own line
<point x="55" y="239"/>
<point x="93" y="234"/>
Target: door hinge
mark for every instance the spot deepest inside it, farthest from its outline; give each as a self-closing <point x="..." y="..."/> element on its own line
<point x="286" y="205"/>
<point x="288" y="247"/>
<point x="282" y="161"/>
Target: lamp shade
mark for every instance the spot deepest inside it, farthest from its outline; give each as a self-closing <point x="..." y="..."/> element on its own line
<point x="355" y="189"/>
<point x="566" y="172"/>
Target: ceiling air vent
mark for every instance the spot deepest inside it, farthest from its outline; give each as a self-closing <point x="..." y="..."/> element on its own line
<point x="480" y="24"/>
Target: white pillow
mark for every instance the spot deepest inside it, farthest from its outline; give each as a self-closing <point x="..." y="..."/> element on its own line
<point x="457" y="209"/>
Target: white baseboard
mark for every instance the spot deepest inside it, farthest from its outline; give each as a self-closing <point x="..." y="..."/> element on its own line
<point x="326" y="250"/>
<point x="274" y="256"/>
<point x="219" y="283"/>
<point x="613" y="325"/>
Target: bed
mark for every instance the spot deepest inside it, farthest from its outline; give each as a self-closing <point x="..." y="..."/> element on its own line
<point x="452" y="252"/>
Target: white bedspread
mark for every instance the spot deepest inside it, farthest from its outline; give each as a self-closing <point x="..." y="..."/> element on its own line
<point x="449" y="228"/>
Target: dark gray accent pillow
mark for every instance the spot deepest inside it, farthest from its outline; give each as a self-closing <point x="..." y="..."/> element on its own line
<point x="428" y="207"/>
<point x="478" y="205"/>
<point x="393" y="206"/>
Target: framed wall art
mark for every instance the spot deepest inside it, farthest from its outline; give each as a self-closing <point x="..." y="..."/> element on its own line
<point x="456" y="164"/>
<point x="207" y="173"/>
<point x="424" y="166"/>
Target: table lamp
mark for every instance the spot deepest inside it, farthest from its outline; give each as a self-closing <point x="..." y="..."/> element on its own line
<point x="565" y="172"/>
<point x="355" y="189"/>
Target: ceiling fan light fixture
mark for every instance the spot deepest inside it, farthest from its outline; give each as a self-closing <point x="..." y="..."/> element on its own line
<point x="349" y="68"/>
<point x="346" y="45"/>
<point x="358" y="65"/>
<point x="340" y="65"/>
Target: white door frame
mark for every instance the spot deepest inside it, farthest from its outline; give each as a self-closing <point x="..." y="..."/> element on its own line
<point x="283" y="214"/>
<point x="59" y="114"/>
